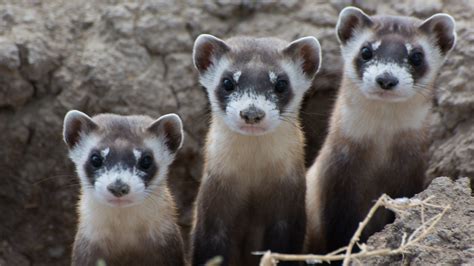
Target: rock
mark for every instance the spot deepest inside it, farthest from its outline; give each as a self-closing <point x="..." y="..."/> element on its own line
<point x="319" y="15"/>
<point x="164" y="33"/>
<point x="451" y="240"/>
<point x="454" y="154"/>
<point x="37" y="55"/>
<point x="420" y="8"/>
<point x="9" y="55"/>
<point x="225" y="8"/>
<point x="14" y="90"/>
<point x="119" y="20"/>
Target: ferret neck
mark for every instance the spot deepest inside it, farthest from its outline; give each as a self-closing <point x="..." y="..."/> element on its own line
<point x="125" y="226"/>
<point x="228" y="152"/>
<point x="92" y="209"/>
<point x="360" y="118"/>
<point x="287" y="135"/>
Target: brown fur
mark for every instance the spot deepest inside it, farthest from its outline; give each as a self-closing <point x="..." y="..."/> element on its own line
<point x="375" y="146"/>
<point x="147" y="253"/>
<point x="143" y="234"/>
<point x="156" y="241"/>
<point x="349" y="175"/>
<point x="252" y="190"/>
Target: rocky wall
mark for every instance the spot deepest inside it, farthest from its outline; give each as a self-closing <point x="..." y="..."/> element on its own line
<point x="113" y="56"/>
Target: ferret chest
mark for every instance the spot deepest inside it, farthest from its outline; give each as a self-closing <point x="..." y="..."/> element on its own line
<point x="252" y="160"/>
<point x="377" y="162"/>
<point x="123" y="228"/>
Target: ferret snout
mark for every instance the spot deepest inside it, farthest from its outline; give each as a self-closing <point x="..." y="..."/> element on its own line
<point x="118" y="188"/>
<point x="252" y="115"/>
<point x="386" y="81"/>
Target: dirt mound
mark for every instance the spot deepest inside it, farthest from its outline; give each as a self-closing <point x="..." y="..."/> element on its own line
<point x="451" y="240"/>
<point x="136" y="58"/>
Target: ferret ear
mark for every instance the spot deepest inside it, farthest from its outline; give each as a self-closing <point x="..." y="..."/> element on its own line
<point x="442" y="28"/>
<point x="207" y="51"/>
<point x="171" y="127"/>
<point x="350" y="20"/>
<point x="307" y="52"/>
<point x="76" y="123"/>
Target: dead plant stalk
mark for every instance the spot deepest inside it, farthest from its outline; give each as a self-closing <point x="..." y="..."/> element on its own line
<point x="397" y="205"/>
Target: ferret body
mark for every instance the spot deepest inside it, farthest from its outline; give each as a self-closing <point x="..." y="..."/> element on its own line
<point x="377" y="138"/>
<point x="252" y="192"/>
<point x="127" y="215"/>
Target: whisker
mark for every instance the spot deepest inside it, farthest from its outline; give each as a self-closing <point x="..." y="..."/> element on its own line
<point x="289" y="122"/>
<point x="53" y="177"/>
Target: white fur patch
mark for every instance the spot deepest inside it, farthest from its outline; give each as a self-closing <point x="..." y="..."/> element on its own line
<point x="211" y="79"/>
<point x="238" y="103"/>
<point x="272" y="76"/>
<point x="127" y="176"/>
<point x="105" y="152"/>
<point x="433" y="58"/>
<point x="400" y="92"/>
<point x="376" y="45"/>
<point x="237" y="75"/>
<point x="137" y="154"/>
<point x="162" y="156"/>
<point x="80" y="155"/>
<point x="299" y="82"/>
<point x="409" y="47"/>
<point x="352" y="49"/>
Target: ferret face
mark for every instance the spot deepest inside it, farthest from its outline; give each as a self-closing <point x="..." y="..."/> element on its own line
<point x="255" y="84"/>
<point x="393" y="58"/>
<point x="121" y="160"/>
<point x="120" y="172"/>
<point x="252" y="100"/>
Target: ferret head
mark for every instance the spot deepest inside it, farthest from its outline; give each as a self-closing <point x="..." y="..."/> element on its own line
<point x="393" y="58"/>
<point x="254" y="84"/>
<point x="121" y="160"/>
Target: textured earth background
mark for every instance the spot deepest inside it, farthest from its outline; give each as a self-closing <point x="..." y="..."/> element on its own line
<point x="452" y="240"/>
<point x="136" y="58"/>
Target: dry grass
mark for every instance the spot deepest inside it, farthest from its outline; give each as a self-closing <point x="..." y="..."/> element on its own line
<point x="399" y="206"/>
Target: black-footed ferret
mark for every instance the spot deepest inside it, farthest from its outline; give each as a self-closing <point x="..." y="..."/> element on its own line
<point x="378" y="130"/>
<point x="126" y="212"/>
<point x="252" y="192"/>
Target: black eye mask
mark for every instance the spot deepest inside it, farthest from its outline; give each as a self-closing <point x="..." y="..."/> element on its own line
<point x="256" y="82"/>
<point x="394" y="50"/>
<point x="98" y="163"/>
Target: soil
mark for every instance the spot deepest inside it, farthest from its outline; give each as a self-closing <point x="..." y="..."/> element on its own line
<point x="131" y="58"/>
<point x="451" y="241"/>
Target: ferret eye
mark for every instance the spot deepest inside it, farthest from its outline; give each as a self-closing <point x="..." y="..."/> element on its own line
<point x="145" y="162"/>
<point x="228" y="84"/>
<point x="366" y="53"/>
<point x="416" y="58"/>
<point x="281" y="86"/>
<point x="96" y="160"/>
